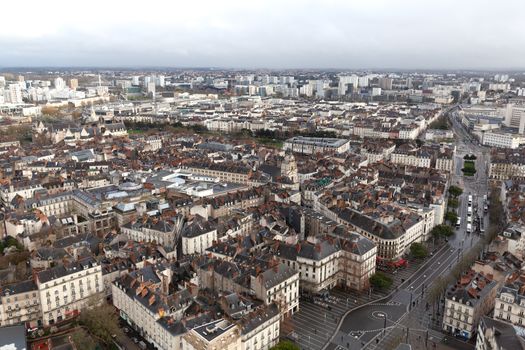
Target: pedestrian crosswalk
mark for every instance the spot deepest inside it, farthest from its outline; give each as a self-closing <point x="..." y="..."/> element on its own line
<point x="314" y="324"/>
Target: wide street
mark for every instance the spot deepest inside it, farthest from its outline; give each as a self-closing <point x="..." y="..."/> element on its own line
<point x="374" y="326"/>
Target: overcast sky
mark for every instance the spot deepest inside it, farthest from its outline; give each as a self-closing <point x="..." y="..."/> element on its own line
<point x="438" y="34"/>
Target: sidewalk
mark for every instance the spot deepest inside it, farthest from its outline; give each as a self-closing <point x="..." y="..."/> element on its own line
<point x="314" y="324"/>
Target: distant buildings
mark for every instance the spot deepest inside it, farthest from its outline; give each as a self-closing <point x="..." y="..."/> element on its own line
<point x="515" y="117"/>
<point x="205" y="232"/>
<point x="385" y="83"/>
<point x="313" y="145"/>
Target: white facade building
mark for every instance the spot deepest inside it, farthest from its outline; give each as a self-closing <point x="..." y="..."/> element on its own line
<point x="501" y="139"/>
<point x="65" y="290"/>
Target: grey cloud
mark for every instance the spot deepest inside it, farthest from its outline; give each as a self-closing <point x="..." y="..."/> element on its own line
<point x="332" y="34"/>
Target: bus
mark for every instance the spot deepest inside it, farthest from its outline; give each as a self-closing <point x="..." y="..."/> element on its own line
<point x="458" y="223"/>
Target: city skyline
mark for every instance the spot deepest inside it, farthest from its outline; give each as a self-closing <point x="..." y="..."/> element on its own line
<point x="272" y="35"/>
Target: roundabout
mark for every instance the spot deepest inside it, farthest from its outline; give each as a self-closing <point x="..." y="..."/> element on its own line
<point x="379" y="315"/>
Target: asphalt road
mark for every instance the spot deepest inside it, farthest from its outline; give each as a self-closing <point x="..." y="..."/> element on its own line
<point x="366" y="323"/>
<point x="363" y="327"/>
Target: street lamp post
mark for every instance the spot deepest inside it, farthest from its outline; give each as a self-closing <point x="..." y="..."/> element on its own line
<point x="384" y="324"/>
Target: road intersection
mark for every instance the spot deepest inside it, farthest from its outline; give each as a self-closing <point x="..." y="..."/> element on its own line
<point x="370" y="326"/>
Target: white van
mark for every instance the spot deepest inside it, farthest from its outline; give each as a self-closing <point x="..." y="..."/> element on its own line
<point x="469" y="228"/>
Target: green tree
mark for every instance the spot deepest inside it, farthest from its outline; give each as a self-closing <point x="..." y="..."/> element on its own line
<point x="100" y="320"/>
<point x="451" y="217"/>
<point x="285" y="345"/>
<point x="496" y="211"/>
<point x="418" y="250"/>
<point x="453" y="203"/>
<point x="469" y="168"/>
<point x="455" y="191"/>
<point x="442" y="231"/>
<point x="82" y="340"/>
<point x="11" y="241"/>
<point x="380" y="281"/>
<point x="441" y="123"/>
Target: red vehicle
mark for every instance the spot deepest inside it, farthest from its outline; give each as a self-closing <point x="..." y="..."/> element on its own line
<point x="392" y="264"/>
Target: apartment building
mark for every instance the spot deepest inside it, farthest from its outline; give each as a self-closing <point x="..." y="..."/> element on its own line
<point x="466" y="302"/>
<point x="225" y="172"/>
<point x="377" y="151"/>
<point x="277" y="283"/>
<point x="392" y="237"/>
<point x="317" y="264"/>
<point x="496" y="334"/>
<point x="445" y="164"/>
<point x="198" y="235"/>
<point x="162" y="232"/>
<point x="258" y="330"/>
<point x="24" y="224"/>
<point x="21" y="304"/>
<point x="25" y="189"/>
<point x="280" y="285"/>
<point x="331" y="261"/>
<point x="145" y="302"/>
<point x="228" y="203"/>
<point x="99" y="214"/>
<point x="149" y="302"/>
<point x="510" y="301"/>
<point x="506" y="165"/>
<point x="420" y="159"/>
<point x="218" y="334"/>
<point x="357" y="262"/>
<point x="65" y="290"/>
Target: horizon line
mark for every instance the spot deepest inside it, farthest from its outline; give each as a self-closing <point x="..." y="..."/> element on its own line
<point x="160" y="67"/>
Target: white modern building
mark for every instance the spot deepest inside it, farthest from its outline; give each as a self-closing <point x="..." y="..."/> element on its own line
<point x="501" y="139"/>
<point x="313" y="145"/>
<point x="515" y="117"/>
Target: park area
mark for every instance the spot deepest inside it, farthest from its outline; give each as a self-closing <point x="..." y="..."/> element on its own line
<point x="469" y="165"/>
